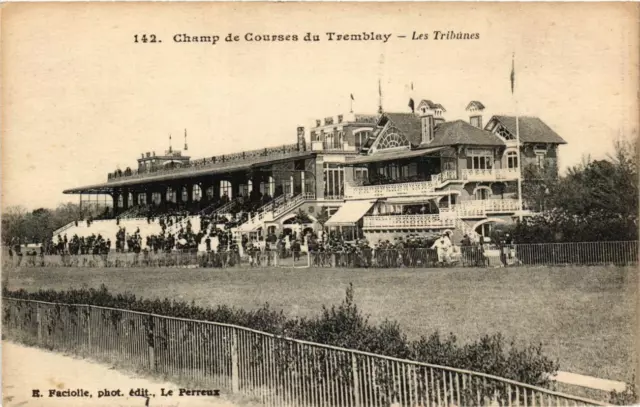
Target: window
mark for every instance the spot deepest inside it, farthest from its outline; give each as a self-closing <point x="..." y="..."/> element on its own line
<point x="171" y="195"/>
<point x="361" y="174"/>
<point x="512" y="160"/>
<point x="185" y="194"/>
<point x="333" y="181"/>
<point x="225" y="189"/>
<point x="360" y="139"/>
<point x="476" y="121"/>
<point x="197" y="193"/>
<point x="480" y="159"/>
<point x="482" y="193"/>
<point x="504" y="133"/>
<point x="156" y="198"/>
<point x="427" y="126"/>
<point x="393" y="140"/>
<point x="480" y="162"/>
<point x="540" y="160"/>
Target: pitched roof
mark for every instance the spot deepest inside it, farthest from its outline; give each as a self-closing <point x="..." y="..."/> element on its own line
<point x="532" y="129"/>
<point x="408" y="124"/>
<point x="431" y="104"/>
<point x="461" y="132"/>
<point x="477" y="104"/>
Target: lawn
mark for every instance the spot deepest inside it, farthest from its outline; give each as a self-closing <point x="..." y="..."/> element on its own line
<point x="584" y="316"/>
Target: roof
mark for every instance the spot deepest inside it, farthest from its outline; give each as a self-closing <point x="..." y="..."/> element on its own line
<point x="192" y="171"/>
<point x="432" y="105"/>
<point x="474" y="103"/>
<point x="532" y="129"/>
<point x="395" y="155"/>
<point x="408" y="124"/>
<point x="461" y="132"/>
<point x="366" y="118"/>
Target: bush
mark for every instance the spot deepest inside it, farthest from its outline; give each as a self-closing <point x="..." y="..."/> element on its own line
<point x="343" y="326"/>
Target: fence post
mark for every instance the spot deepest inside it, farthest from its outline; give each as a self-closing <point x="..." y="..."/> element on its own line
<point x="151" y="342"/>
<point x="356" y="382"/>
<point x="89" y="328"/>
<point x="39" y="322"/>
<point x="235" y="377"/>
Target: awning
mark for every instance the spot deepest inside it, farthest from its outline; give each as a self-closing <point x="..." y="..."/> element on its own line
<point x="350" y="213"/>
<point x="396" y="155"/>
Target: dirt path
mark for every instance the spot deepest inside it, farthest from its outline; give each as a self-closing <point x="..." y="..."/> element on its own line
<point x="26" y="369"/>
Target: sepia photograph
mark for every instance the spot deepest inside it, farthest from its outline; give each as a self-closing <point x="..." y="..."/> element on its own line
<point x="319" y="204"/>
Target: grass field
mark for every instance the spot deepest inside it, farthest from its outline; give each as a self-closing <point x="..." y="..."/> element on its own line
<point x="584" y="316"/>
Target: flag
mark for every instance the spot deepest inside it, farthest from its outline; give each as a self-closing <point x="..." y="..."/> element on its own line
<point x="513" y="73"/>
<point x="352" y="97"/>
<point x="412" y="105"/>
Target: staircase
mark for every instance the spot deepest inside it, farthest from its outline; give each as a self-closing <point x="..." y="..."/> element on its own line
<point x="274" y="210"/>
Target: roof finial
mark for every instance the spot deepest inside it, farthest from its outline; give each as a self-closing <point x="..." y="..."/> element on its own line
<point x="185" y="140"/>
<point x="170" y="148"/>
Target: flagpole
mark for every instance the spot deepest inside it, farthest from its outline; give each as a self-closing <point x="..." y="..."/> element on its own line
<point x="515" y="99"/>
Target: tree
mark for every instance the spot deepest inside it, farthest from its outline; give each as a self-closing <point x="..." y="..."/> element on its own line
<point x="301" y="218"/>
<point x="323" y="216"/>
<point x="595" y="201"/>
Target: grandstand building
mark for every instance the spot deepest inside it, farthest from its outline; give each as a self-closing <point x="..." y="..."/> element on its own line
<point x="380" y="176"/>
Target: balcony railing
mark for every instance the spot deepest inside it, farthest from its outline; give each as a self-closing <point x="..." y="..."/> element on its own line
<point x="491" y="174"/>
<point x="407" y="221"/>
<point x="480" y="207"/>
<point x="400" y="189"/>
<point x="332" y="146"/>
<point x="213" y="162"/>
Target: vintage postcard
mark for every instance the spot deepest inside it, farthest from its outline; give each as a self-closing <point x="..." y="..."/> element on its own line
<point x="319" y="204"/>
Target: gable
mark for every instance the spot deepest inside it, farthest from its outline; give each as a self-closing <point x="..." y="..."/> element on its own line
<point x="531" y="129"/>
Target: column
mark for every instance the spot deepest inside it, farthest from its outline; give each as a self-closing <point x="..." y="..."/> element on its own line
<point x="116" y="197"/>
<point x="125" y="199"/>
<point x="216" y="189"/>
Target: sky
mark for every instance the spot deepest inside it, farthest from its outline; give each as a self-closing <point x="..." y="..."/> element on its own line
<point x="81" y="98"/>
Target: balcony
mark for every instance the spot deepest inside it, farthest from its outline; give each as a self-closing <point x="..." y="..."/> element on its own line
<point x="332" y="146"/>
<point x="416" y="188"/>
<point x="407" y="222"/>
<point x="491" y="174"/>
<point x="480" y="208"/>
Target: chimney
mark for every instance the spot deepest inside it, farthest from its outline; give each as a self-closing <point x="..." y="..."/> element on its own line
<point x="426" y="124"/>
<point x="302" y="145"/>
<point x="475" y="109"/>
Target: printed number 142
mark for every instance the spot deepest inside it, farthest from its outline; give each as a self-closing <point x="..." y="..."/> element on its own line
<point x="144" y="38"/>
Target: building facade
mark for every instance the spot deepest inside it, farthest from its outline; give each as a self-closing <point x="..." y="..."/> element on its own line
<point x="379" y="176"/>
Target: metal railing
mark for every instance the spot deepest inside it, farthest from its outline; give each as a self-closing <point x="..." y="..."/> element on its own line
<point x="407" y="221"/>
<point x="276" y="370"/>
<point x="544" y="254"/>
<point x="488" y="255"/>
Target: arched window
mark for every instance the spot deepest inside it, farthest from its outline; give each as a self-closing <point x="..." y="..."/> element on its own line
<point x="250" y="186"/>
<point x="184" y="194"/>
<point x="156" y="198"/>
<point x="392" y="140"/>
<point x="197" y="193"/>
<point x="142" y="199"/>
<point x="271" y="186"/>
<point x="225" y="189"/>
<point x="171" y="195"/>
<point x="210" y="192"/>
<point x="512" y="160"/>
